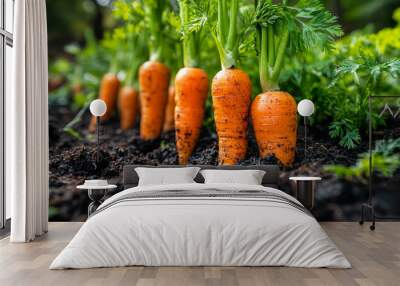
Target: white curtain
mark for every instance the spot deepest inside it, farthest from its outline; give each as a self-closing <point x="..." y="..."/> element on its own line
<point x="27" y="124"/>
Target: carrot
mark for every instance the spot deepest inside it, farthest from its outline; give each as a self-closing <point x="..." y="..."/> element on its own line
<point x="274" y="117"/>
<point x="231" y="87"/>
<point x="154" y="79"/>
<point x="191" y="85"/>
<point x="77" y="88"/>
<point x="138" y="108"/>
<point x="274" y="112"/>
<point x="109" y="87"/>
<point x="191" y="89"/>
<point x="154" y="76"/>
<point x="127" y="105"/>
<point x="169" y="122"/>
<point x="231" y="91"/>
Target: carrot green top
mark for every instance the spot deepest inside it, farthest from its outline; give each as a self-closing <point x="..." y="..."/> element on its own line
<point x="137" y="54"/>
<point x="154" y="12"/>
<point x="283" y="28"/>
<point x="129" y="40"/>
<point x="190" y="41"/>
<point x="150" y="18"/>
<point x="222" y="20"/>
<point x="226" y="36"/>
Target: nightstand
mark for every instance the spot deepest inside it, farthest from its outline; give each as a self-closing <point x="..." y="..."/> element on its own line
<point x="96" y="195"/>
<point x="304" y="189"/>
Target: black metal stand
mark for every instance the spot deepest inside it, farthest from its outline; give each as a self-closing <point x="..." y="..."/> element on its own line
<point x="96" y="197"/>
<point x="371" y="208"/>
<point x="305" y="193"/>
<point x="98" y="140"/>
<point x="305" y="138"/>
<point x="369" y="205"/>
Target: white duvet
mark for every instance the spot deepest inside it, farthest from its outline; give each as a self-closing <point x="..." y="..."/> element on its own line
<point x="200" y="231"/>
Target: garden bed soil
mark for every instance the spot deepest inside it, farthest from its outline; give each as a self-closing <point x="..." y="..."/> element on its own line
<point x="72" y="161"/>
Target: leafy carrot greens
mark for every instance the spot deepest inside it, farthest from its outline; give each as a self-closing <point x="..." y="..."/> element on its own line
<point x="190" y="40"/>
<point x="226" y="21"/>
<point x="284" y="29"/>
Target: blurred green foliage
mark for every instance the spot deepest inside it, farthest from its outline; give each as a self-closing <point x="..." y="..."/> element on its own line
<point x="67" y="21"/>
<point x="356" y="14"/>
<point x="340" y="81"/>
<point x="385" y="161"/>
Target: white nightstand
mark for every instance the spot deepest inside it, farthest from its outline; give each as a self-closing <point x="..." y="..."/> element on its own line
<point x="96" y="195"/>
<point x="304" y="188"/>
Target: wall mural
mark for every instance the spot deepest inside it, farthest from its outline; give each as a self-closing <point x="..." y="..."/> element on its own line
<point x="180" y="86"/>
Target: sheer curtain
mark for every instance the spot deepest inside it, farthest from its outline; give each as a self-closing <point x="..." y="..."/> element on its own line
<point x="27" y="124"/>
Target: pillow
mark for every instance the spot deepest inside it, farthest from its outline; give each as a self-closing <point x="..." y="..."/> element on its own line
<point x="164" y="176"/>
<point x="248" y="177"/>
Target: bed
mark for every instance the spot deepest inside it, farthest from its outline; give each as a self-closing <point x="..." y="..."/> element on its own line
<point x="198" y="224"/>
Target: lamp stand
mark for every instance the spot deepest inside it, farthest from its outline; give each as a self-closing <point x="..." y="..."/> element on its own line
<point x="305" y="137"/>
<point x="370" y="204"/>
<point x="98" y="140"/>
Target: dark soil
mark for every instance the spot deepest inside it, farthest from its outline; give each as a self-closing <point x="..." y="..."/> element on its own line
<point x="75" y="160"/>
<point x="72" y="161"/>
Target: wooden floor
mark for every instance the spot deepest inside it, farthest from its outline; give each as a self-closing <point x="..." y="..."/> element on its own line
<point x="375" y="257"/>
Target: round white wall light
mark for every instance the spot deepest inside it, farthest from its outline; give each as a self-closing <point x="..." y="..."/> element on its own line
<point x="305" y="107"/>
<point x="98" y="107"/>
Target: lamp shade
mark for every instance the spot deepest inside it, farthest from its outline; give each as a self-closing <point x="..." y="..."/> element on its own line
<point x="305" y="107"/>
<point x="98" y="107"/>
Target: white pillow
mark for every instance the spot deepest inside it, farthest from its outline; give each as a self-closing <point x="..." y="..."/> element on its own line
<point x="164" y="176"/>
<point x="248" y="177"/>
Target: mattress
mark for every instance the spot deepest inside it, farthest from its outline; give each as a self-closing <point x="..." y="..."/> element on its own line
<point x="201" y="225"/>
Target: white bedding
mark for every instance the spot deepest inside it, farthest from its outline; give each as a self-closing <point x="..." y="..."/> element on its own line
<point x="200" y="231"/>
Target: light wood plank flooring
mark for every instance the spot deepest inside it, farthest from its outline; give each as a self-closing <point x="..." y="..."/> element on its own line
<point x="375" y="257"/>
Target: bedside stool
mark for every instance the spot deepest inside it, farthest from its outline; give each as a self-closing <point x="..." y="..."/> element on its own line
<point x="96" y="195"/>
<point x="304" y="188"/>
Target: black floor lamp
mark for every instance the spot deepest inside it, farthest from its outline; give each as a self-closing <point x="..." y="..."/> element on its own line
<point x="98" y="108"/>
<point x="369" y="205"/>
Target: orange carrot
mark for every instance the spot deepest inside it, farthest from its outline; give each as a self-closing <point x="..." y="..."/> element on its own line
<point x="109" y="87"/>
<point x="169" y="122"/>
<point x="127" y="104"/>
<point x="231" y="91"/>
<point x="274" y="119"/>
<point x="77" y="88"/>
<point x="154" y="79"/>
<point x="138" y="108"/>
<point x="191" y="87"/>
<point x="274" y="112"/>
